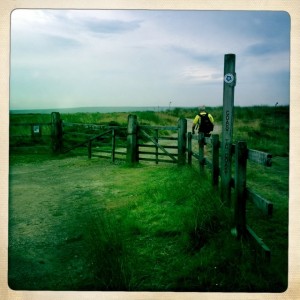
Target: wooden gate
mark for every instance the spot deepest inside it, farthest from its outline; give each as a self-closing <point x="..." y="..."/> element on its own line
<point x="156" y="143"/>
<point x="168" y="143"/>
<point x="156" y="147"/>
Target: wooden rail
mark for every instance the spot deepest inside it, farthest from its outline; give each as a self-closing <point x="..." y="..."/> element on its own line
<point x="259" y="244"/>
<point x="31" y="124"/>
<point x="91" y="126"/>
<point x="258" y="157"/>
<point x="263" y="204"/>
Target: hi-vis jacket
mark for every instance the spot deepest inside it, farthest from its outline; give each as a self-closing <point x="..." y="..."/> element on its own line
<point x="197" y="119"/>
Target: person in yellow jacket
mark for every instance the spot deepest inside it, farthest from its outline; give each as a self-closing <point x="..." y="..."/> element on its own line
<point x="204" y="121"/>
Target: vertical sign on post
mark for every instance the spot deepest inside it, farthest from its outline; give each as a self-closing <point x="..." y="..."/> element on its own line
<point x="227" y="126"/>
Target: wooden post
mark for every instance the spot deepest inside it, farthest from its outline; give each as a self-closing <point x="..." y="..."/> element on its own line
<point x="227" y="126"/>
<point x="132" y="145"/>
<point x="113" y="145"/>
<point x="201" y="142"/>
<point x="190" y="148"/>
<point x="56" y="133"/>
<point x="215" y="159"/>
<point x="156" y="148"/>
<point x="182" y="130"/>
<point x="240" y="188"/>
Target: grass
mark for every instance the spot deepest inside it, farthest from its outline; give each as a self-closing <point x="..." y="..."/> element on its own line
<point x="170" y="232"/>
<point x="259" y="126"/>
<point x="176" y="239"/>
<point x="159" y="234"/>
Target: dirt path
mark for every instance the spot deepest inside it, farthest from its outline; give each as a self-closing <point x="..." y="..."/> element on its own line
<point x="50" y="207"/>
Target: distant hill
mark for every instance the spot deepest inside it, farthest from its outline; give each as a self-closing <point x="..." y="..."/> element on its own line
<point x="100" y="109"/>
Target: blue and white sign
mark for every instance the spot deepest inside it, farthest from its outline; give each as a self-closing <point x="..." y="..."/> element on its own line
<point x="229" y="78"/>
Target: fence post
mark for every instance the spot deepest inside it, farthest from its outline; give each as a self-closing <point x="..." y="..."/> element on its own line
<point x="240" y="188"/>
<point x="201" y="143"/>
<point x="182" y="130"/>
<point x="132" y="145"/>
<point x="56" y="132"/>
<point x="156" y="148"/>
<point x="227" y="126"/>
<point x="215" y="159"/>
<point x="190" y="148"/>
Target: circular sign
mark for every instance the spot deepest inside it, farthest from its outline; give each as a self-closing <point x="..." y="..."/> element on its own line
<point x="228" y="78"/>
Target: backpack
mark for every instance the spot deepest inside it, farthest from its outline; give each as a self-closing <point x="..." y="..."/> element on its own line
<point x="205" y="125"/>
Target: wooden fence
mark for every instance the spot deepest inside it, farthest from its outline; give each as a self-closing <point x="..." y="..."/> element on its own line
<point x="99" y="140"/>
<point x="241" y="154"/>
<point x="25" y="136"/>
<point x="133" y="143"/>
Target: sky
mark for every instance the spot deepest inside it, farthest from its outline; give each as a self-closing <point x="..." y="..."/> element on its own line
<point x="159" y="58"/>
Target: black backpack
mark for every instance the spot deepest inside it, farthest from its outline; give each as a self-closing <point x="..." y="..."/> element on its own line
<point x="206" y="125"/>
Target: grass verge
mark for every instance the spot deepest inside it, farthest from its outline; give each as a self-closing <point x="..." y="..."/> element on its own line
<point x="173" y="234"/>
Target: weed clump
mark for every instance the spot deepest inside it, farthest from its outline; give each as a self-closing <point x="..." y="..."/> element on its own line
<point x="107" y="252"/>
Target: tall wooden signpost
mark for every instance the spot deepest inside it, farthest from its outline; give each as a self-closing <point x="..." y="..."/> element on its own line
<point x="227" y="126"/>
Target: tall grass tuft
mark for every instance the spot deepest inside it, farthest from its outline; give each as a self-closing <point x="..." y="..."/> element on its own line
<point x="108" y="252"/>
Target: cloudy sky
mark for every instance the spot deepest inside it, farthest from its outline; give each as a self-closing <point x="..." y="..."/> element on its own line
<point x="79" y="58"/>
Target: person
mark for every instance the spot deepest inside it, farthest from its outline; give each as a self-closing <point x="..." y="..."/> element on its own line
<point x="204" y="121"/>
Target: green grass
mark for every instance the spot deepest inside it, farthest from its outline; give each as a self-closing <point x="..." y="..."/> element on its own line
<point x="173" y="234"/>
<point x="263" y="128"/>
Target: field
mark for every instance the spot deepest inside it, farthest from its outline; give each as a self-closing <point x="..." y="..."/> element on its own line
<point x="79" y="224"/>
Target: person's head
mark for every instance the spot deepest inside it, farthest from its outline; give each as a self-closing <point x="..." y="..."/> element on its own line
<point x="201" y="108"/>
